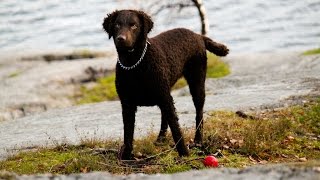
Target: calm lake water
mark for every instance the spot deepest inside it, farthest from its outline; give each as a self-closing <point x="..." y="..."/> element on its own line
<point x="244" y="25"/>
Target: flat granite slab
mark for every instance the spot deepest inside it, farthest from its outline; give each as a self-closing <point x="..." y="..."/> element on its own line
<point x="263" y="172"/>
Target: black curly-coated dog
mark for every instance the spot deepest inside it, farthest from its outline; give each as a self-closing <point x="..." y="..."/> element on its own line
<point x="147" y="68"/>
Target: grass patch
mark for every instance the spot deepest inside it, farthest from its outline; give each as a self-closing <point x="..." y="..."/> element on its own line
<point x="105" y="88"/>
<point x="287" y="135"/>
<point x="180" y="84"/>
<point x="216" y="67"/>
<point x="14" y="74"/>
<point x="312" y="52"/>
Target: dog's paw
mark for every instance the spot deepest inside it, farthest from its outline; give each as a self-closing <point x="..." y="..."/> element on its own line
<point x="124" y="154"/>
<point x="195" y="146"/>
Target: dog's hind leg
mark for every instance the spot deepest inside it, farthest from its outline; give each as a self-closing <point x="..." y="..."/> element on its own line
<point x="163" y="131"/>
<point x="169" y="114"/>
<point x="195" y="74"/>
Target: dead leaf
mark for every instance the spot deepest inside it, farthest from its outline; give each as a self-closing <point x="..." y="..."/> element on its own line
<point x="139" y="154"/>
<point x="240" y="142"/>
<point x="303" y="159"/>
<point x="84" y="170"/>
<point x="284" y="156"/>
<point x="290" y="138"/>
<point x="263" y="162"/>
<point x="251" y="159"/>
<point x="316" y="169"/>
<point x="225" y="146"/>
<point x="233" y="141"/>
<point x="285" y="141"/>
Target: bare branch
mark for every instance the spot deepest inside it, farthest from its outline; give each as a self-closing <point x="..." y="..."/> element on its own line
<point x="203" y="16"/>
<point x="172" y="6"/>
<point x="158" y="6"/>
<point x="154" y="4"/>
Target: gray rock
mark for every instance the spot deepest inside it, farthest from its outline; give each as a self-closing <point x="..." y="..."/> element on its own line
<point x="30" y="87"/>
<point x="266" y="172"/>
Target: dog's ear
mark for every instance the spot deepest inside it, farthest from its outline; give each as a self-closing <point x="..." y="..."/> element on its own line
<point x="146" y="21"/>
<point x="108" y="23"/>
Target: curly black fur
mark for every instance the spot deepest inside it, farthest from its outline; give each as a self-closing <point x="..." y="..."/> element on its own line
<point x="170" y="55"/>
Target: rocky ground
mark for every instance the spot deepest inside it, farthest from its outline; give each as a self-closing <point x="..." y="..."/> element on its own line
<point x="258" y="82"/>
<point x="272" y="172"/>
<point x="35" y="83"/>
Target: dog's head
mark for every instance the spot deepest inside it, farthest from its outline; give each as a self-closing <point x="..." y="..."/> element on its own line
<point x="127" y="27"/>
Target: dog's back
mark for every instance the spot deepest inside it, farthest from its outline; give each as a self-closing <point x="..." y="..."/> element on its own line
<point x="179" y="46"/>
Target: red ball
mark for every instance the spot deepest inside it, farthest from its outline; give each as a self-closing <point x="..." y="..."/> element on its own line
<point x="210" y="161"/>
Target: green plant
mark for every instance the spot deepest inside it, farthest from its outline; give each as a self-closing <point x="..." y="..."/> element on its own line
<point x="216" y="67"/>
<point x="312" y="51"/>
<point x="14" y="74"/>
<point x="104" y="90"/>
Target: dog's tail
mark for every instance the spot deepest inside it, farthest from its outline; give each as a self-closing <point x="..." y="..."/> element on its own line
<point x="214" y="47"/>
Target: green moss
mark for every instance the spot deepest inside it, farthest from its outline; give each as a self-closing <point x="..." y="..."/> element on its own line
<point x="51" y="161"/>
<point x="234" y="160"/>
<point x="178" y="168"/>
<point x="312" y="52"/>
<point x="104" y="90"/>
<point x="14" y="74"/>
<point x="310" y="117"/>
<point x="216" y="67"/>
<point x="180" y="84"/>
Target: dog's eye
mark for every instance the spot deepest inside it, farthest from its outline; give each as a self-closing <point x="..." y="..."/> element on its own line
<point x="117" y="26"/>
<point x="134" y="26"/>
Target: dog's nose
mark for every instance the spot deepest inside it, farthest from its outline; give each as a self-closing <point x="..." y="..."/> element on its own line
<point x="121" y="38"/>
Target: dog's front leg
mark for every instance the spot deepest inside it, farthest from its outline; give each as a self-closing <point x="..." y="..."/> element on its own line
<point x="128" y="115"/>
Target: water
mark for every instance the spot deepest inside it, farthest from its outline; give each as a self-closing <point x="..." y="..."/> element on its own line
<point x="244" y="25"/>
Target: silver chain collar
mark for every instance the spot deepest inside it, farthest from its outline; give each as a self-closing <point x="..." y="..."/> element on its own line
<point x="137" y="63"/>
